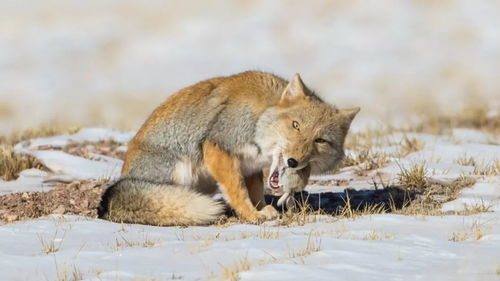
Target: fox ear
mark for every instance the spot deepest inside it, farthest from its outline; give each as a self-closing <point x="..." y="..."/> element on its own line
<point x="294" y="89"/>
<point x="348" y="115"/>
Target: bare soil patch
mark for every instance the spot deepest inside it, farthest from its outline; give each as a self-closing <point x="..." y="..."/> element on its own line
<point x="88" y="150"/>
<point x="78" y="198"/>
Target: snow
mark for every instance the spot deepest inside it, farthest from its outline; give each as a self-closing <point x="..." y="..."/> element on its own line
<point x="419" y="248"/>
<point x="67" y="167"/>
<point x="371" y="247"/>
<point x="28" y="180"/>
<point x="469" y="135"/>
<point x="480" y="194"/>
<point x="85" y="134"/>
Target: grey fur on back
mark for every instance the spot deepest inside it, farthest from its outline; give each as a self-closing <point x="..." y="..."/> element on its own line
<point x="210" y="119"/>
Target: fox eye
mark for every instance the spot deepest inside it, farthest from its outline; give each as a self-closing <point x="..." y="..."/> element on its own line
<point x="319" y="140"/>
<point x="295" y="125"/>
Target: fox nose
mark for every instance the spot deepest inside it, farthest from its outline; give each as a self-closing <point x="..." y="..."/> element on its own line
<point x="292" y="163"/>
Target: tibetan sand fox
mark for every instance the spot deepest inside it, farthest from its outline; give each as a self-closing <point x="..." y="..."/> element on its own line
<point x="220" y="134"/>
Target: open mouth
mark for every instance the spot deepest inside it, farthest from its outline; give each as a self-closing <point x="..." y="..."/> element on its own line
<point x="274" y="179"/>
<point x="274" y="174"/>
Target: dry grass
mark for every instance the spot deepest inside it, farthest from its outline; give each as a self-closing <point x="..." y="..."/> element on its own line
<point x="414" y="178"/>
<point x="232" y="272"/>
<point x="480" y="169"/>
<point x="414" y="194"/>
<point x="11" y="164"/>
<point x="410" y="145"/>
<point x="474" y="209"/>
<point x="301" y="215"/>
<point x="366" y="160"/>
<point x="431" y="194"/>
<point x="41" y="132"/>
<point x="458" y="236"/>
<point x="145" y="242"/>
<point x="65" y="274"/>
<point x="49" y="246"/>
<point x="474" y="232"/>
<point x="366" y="139"/>
<point x="268" y="233"/>
<point x="176" y="277"/>
<point x="352" y="212"/>
<point x="490" y="170"/>
<point x="466" y="161"/>
<point x="375" y="235"/>
<point x="474" y="117"/>
<point x="313" y="245"/>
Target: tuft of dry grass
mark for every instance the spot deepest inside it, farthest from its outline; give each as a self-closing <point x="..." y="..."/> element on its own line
<point x="41" y="132"/>
<point x="474" y="209"/>
<point x="176" y="277"/>
<point x="231" y="272"/>
<point x="413" y="178"/>
<point x="475" y="232"/>
<point x="466" y="161"/>
<point x="268" y="233"/>
<point x="351" y="212"/>
<point x="65" y="274"/>
<point x="302" y="214"/>
<point x="374" y="235"/>
<point x="365" y="160"/>
<point x="432" y="194"/>
<point x="313" y="244"/>
<point x="369" y="138"/>
<point x="11" y="164"/>
<point x="49" y="246"/>
<point x="475" y="117"/>
<point x="145" y="242"/>
<point x="490" y="170"/>
<point x="458" y="236"/>
<point x="410" y="145"/>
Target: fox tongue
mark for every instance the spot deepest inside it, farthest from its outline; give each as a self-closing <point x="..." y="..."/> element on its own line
<point x="274" y="179"/>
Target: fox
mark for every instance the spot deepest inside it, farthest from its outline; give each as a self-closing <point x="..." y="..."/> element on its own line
<point x="218" y="135"/>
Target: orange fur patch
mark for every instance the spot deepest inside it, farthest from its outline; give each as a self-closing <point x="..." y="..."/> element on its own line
<point x="255" y="185"/>
<point x="226" y="170"/>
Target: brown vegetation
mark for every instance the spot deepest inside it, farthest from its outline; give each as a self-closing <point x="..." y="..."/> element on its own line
<point x="79" y="198"/>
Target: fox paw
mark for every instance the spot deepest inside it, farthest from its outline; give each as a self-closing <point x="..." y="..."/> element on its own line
<point x="268" y="213"/>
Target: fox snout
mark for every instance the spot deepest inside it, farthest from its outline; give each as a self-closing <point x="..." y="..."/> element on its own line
<point x="292" y="163"/>
<point x="297" y="156"/>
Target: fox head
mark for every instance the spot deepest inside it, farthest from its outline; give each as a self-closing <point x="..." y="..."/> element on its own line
<point x="304" y="130"/>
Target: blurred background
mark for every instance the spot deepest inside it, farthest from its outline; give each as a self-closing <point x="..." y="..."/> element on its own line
<point x="110" y="63"/>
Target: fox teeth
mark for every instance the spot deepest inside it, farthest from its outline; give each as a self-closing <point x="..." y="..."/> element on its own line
<point x="274" y="175"/>
<point x="284" y="198"/>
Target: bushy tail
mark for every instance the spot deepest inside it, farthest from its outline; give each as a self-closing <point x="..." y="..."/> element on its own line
<point x="137" y="201"/>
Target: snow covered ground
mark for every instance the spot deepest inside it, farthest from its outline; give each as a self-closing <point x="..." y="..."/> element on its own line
<point x="371" y="247"/>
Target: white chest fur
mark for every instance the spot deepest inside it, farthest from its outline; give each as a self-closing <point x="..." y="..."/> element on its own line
<point x="251" y="160"/>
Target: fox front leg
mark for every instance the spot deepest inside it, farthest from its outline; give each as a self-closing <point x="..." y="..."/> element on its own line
<point x="227" y="172"/>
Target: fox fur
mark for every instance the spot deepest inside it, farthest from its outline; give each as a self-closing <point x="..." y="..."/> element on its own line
<point x="220" y="134"/>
